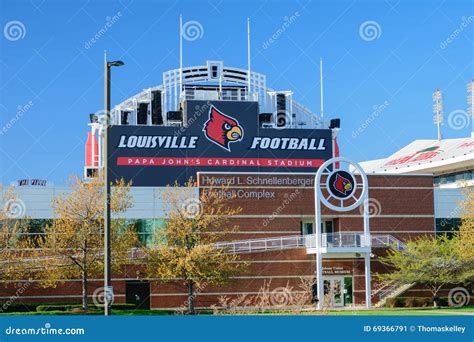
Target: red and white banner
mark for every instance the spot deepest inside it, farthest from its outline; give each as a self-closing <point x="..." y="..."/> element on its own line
<point x="237" y="162"/>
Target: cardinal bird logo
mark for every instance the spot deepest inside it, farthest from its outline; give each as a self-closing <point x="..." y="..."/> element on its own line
<point x="342" y="184"/>
<point x="222" y="129"/>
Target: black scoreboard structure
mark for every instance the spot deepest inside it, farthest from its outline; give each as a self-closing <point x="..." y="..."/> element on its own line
<point x="220" y="136"/>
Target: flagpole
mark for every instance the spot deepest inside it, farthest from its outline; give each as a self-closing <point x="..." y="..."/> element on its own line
<point x="180" y="56"/>
<point x="248" y="57"/>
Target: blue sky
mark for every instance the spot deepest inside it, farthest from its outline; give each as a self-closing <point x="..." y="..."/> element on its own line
<point x="51" y="78"/>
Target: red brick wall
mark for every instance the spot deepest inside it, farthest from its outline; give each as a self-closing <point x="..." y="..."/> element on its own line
<point x="406" y="210"/>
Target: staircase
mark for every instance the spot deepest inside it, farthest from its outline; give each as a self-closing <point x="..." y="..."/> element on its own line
<point x="389" y="289"/>
<point x="386" y="240"/>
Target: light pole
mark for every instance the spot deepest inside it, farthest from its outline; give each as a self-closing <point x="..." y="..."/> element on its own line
<point x="107" y="269"/>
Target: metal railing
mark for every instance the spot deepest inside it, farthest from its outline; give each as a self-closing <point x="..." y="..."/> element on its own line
<point x="392" y="289"/>
<point x="264" y="244"/>
<point x="386" y="240"/>
<point x="328" y="240"/>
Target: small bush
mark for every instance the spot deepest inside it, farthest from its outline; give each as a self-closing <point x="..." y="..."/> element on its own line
<point x="397" y="302"/>
<point x="443" y="301"/>
<point x="56" y="307"/>
<point x="69" y="307"/>
<point x="18" y="307"/>
<point x="121" y="306"/>
<point x="411" y="302"/>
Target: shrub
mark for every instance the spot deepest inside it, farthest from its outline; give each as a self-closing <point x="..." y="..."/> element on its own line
<point x="69" y="307"/>
<point x="397" y="302"/>
<point x="18" y="307"/>
<point x="443" y="301"/>
<point x="411" y="302"/>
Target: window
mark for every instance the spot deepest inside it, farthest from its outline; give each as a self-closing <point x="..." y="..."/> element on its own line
<point x="307" y="228"/>
<point x="447" y="226"/>
<point x="214" y="71"/>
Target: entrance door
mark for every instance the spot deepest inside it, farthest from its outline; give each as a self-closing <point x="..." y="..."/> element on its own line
<point x="334" y="292"/>
<point x="138" y="293"/>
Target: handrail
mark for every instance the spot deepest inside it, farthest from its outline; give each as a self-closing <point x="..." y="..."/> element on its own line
<point x="329" y="240"/>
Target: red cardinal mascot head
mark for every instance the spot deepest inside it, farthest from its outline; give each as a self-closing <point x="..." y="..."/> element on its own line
<point x="222" y="129"/>
<point x="342" y="184"/>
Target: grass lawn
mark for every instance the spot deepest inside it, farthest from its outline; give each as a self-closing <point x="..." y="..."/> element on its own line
<point x="467" y="310"/>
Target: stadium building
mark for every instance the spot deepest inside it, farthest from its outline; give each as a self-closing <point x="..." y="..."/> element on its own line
<point x="222" y="125"/>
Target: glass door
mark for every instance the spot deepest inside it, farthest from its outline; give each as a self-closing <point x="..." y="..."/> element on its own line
<point x="334" y="292"/>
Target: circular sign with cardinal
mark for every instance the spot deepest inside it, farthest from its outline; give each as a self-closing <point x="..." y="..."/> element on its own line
<point x="341" y="184"/>
<point x="343" y="190"/>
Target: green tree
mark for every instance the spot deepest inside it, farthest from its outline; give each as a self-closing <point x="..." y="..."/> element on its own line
<point x="186" y="245"/>
<point x="434" y="262"/>
<point x="466" y="230"/>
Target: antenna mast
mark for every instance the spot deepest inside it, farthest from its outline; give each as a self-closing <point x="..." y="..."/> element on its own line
<point x="322" y="86"/>
<point x="248" y="57"/>
<point x="438" y="111"/>
<point x="180" y="56"/>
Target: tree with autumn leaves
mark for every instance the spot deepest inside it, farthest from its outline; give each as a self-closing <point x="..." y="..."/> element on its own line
<point x="72" y="246"/>
<point x="14" y="234"/>
<point x="466" y="230"/>
<point x="186" y="249"/>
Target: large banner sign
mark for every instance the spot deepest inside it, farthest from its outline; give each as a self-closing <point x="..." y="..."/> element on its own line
<point x="221" y="136"/>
